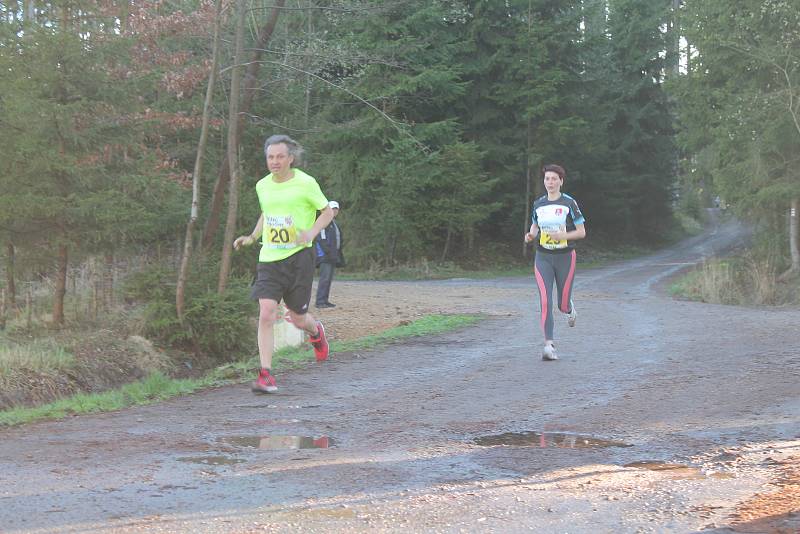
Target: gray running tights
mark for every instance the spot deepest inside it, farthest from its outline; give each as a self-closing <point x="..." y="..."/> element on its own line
<point x="556" y="267"/>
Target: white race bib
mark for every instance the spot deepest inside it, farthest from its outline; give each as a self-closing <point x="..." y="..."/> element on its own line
<point x="279" y="232"/>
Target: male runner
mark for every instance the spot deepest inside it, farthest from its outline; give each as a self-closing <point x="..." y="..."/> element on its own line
<point x="289" y="200"/>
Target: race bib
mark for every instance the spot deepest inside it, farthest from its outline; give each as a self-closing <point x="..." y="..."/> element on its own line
<point x="279" y="232"/>
<point x="548" y="242"/>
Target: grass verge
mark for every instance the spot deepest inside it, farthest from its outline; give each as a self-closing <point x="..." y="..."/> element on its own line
<point x="739" y="280"/>
<point x="157" y="386"/>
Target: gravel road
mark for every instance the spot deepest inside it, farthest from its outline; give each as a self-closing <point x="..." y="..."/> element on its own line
<point x="661" y="416"/>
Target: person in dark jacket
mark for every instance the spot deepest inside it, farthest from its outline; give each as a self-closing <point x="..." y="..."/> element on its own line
<point x="328" y="247"/>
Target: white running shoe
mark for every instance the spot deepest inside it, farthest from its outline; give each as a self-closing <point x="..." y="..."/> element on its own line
<point x="549" y="353"/>
<point x="572" y="315"/>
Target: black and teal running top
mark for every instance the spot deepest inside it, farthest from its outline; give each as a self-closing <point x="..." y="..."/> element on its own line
<point x="552" y="215"/>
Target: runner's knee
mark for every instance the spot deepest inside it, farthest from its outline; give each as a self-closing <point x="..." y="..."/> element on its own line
<point x="297" y="318"/>
<point x="267" y="313"/>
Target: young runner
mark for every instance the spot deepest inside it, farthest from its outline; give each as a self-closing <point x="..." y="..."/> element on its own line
<point x="556" y="220"/>
<point x="289" y="200"/>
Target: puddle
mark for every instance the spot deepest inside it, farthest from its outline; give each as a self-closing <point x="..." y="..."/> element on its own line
<point x="679" y="470"/>
<point x="547" y="439"/>
<point x="278" y="443"/>
<point x="211" y="460"/>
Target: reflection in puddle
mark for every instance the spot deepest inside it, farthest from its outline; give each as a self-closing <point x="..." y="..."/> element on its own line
<point x="678" y="470"/>
<point x="547" y="439"/>
<point x="722" y="476"/>
<point x="276" y="443"/>
<point x="656" y="466"/>
<point x="211" y="460"/>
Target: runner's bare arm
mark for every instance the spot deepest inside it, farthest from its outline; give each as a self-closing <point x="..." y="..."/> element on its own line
<point x="578" y="233"/>
<point x="247" y="240"/>
<point x="531" y="235"/>
<point x="324" y="219"/>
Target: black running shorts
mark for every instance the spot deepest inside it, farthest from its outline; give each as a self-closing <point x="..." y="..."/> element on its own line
<point x="289" y="279"/>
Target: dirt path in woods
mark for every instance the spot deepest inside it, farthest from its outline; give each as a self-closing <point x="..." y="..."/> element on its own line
<point x="661" y="416"/>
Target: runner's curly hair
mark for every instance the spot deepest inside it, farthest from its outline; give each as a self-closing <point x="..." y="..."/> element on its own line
<point x="294" y="147"/>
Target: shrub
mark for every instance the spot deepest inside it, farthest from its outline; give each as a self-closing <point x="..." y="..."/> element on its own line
<point x="219" y="326"/>
<point x="154" y="283"/>
<point x="222" y="323"/>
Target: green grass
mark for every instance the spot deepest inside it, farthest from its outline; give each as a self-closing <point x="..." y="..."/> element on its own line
<point x="687" y="286"/>
<point x="152" y="389"/>
<point x="157" y="386"/>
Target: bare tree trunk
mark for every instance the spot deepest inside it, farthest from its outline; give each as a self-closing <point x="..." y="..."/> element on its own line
<point x="527" y="211"/>
<point x="793" y="236"/>
<point x="793" y="233"/>
<point x="674" y="36"/>
<point x="94" y="289"/>
<point x="94" y="304"/>
<point x="233" y="150"/>
<point x="250" y="89"/>
<point x="108" y="282"/>
<point x="30" y="11"/>
<point x="2" y="309"/>
<point x="308" y="75"/>
<point x="124" y="15"/>
<point x="183" y="272"/>
<point x="11" y="283"/>
<point x="29" y="309"/>
<point x="447" y="243"/>
<point x="528" y="148"/>
<point x="61" y="286"/>
<point x="528" y="163"/>
<point x="391" y="248"/>
<point x="65" y="17"/>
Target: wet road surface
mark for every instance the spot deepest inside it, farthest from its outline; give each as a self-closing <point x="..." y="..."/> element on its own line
<point x="660" y="416"/>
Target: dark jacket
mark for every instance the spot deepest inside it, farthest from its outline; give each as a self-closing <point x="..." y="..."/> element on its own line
<point x="328" y="245"/>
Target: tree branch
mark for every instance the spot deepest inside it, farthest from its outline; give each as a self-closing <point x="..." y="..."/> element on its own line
<point x="377" y="7"/>
<point x="399" y="126"/>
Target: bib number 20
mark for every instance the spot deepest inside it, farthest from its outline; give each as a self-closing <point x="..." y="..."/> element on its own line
<point x="278" y="236"/>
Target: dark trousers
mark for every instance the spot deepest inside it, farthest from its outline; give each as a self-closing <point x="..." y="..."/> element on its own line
<point x="325" y="278"/>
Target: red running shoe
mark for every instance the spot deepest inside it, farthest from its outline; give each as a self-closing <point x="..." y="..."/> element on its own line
<point x="320" y="343"/>
<point x="265" y="383"/>
<point x="322" y="443"/>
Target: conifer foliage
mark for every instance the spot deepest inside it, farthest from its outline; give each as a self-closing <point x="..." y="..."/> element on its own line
<point x="428" y="120"/>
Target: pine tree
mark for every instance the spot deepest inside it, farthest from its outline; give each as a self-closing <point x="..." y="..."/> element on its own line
<point x="73" y="176"/>
<point x="391" y="145"/>
<point x="740" y="111"/>
<point x="640" y="135"/>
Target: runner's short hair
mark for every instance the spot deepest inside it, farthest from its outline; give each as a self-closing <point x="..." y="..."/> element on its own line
<point x="558" y="169"/>
<point x="294" y="147"/>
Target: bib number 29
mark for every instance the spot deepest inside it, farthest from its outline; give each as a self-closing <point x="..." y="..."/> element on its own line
<point x="547" y="241"/>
